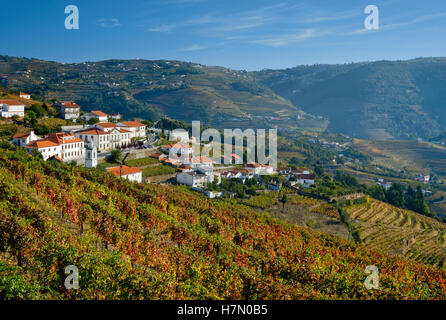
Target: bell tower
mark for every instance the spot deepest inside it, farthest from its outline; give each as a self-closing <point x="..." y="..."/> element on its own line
<point x="91" y="156"/>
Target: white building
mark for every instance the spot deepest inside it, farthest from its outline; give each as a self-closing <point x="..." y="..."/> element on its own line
<point x="10" y="108"/>
<point x="104" y="126"/>
<point x="180" y="135"/>
<point x="238" y="174"/>
<point x="24" y="95"/>
<point x="210" y="174"/>
<point x="257" y="168"/>
<point x="62" y="145"/>
<point x="306" y="180"/>
<point x="284" y="171"/>
<point x="69" y="110"/>
<point x="178" y="151"/>
<point x="101" y="116"/>
<point x="198" y="177"/>
<point x="22" y="139"/>
<point x="137" y="129"/>
<point x="125" y="172"/>
<point x="192" y="179"/>
<point x="104" y="140"/>
<point x="47" y="149"/>
<point x="115" y="116"/>
<point x="200" y="161"/>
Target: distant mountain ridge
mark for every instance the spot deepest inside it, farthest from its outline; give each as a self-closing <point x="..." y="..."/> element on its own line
<point x="370" y="100"/>
<point x="377" y="100"/>
<point x="147" y="89"/>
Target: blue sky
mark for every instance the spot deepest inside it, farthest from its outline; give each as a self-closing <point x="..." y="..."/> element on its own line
<point x="241" y="34"/>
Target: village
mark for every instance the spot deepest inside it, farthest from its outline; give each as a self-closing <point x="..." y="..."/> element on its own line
<point x="154" y="155"/>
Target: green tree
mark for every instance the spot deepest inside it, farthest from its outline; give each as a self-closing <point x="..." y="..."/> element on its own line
<point x="378" y="193"/>
<point x="38" y="110"/>
<point x="93" y="121"/>
<point x="284" y="200"/>
<point x="116" y="155"/>
<point x="30" y="118"/>
<point x="319" y="170"/>
<point x="395" y="195"/>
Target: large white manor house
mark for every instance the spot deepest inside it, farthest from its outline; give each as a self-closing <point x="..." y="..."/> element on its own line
<point x="107" y="136"/>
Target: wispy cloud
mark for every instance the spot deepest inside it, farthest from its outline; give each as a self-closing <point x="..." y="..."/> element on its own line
<point x="331" y="17"/>
<point x="109" y="23"/>
<point x="219" y="24"/>
<point x="194" y="47"/>
<point x="162" y="28"/>
<point x="282" y="40"/>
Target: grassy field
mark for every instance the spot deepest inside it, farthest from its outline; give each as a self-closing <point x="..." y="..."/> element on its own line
<point x="399" y="231"/>
<point x="410" y="155"/>
<point x="142" y="162"/>
<point x="158" y="170"/>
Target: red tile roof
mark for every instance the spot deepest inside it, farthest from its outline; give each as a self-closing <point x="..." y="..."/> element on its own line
<point x="21" y="135"/>
<point x="176" y="145"/>
<point x="93" y="131"/>
<point x="59" y="138"/>
<point x="123" y="171"/>
<point x="132" y="124"/>
<point x="69" y="104"/>
<point x="252" y="165"/>
<point x="53" y="140"/>
<point x="243" y="171"/>
<point x="107" y="125"/>
<point x="38" y="144"/>
<point x="99" y="113"/>
<point x="10" y="102"/>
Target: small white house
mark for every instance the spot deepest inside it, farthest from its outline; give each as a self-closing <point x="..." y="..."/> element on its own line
<point x="22" y="139"/>
<point x="200" y="161"/>
<point x="192" y="179"/>
<point x="68" y="110"/>
<point x="257" y="168"/>
<point x="24" y="95"/>
<point x="306" y="180"/>
<point x="101" y="116"/>
<point x="115" y="116"/>
<point x="46" y="148"/>
<point x="179" y="135"/>
<point x="125" y="172"/>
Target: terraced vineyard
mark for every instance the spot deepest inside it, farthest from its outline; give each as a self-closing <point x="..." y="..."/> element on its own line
<point x="399" y="231"/>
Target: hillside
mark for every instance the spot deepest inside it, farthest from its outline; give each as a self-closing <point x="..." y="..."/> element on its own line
<point x="373" y="100"/>
<point x="412" y="156"/>
<point x="134" y="241"/>
<point x="151" y="89"/>
<point x="399" y="231"/>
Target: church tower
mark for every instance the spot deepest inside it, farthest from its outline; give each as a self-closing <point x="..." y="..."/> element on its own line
<point x="91" y="157"/>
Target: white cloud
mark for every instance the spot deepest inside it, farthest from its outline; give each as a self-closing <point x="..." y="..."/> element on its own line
<point x="194" y="47"/>
<point x="282" y="40"/>
<point x="162" y="28"/>
<point x="109" y="23"/>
